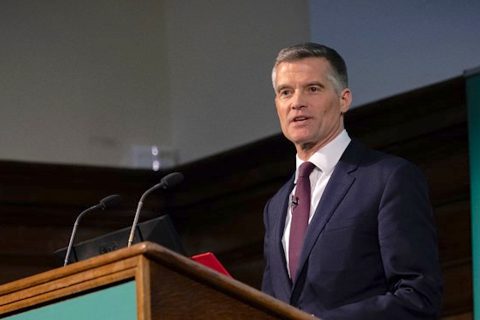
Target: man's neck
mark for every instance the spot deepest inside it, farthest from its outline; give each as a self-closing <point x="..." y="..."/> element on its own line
<point x="305" y="151"/>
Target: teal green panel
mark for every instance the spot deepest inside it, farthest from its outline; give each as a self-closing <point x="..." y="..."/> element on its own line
<point x="117" y="302"/>
<point x="473" y="102"/>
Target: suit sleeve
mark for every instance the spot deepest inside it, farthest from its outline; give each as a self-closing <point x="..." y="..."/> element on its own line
<point x="408" y="247"/>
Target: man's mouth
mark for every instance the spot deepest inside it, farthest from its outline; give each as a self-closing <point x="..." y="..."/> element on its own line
<point x="300" y="119"/>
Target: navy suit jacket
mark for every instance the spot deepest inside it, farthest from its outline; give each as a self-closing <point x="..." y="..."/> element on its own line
<point x="370" y="251"/>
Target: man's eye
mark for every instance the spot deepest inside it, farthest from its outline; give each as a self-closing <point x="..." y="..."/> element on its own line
<point x="284" y="92"/>
<point x="314" y="89"/>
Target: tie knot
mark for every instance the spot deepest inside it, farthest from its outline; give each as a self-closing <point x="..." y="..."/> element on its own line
<point x="305" y="169"/>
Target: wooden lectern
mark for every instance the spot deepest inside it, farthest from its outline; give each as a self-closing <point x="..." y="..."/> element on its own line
<point x="144" y="282"/>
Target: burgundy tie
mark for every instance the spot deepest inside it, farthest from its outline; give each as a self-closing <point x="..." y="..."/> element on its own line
<point x="300" y="215"/>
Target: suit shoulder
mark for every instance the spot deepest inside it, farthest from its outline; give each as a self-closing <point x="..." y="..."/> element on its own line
<point x="378" y="160"/>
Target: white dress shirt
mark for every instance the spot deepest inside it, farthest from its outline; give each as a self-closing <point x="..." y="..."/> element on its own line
<point x="325" y="161"/>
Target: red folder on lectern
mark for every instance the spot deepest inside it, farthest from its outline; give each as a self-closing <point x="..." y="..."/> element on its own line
<point x="210" y="260"/>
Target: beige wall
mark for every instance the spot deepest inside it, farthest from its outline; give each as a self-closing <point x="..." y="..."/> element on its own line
<point x="81" y="81"/>
<point x="85" y="81"/>
<point x="220" y="57"/>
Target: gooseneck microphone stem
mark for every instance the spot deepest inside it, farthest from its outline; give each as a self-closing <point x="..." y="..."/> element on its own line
<point x="110" y="200"/>
<point x="74" y="231"/>
<point x="137" y="212"/>
<point x="169" y="180"/>
<point x="134" y="224"/>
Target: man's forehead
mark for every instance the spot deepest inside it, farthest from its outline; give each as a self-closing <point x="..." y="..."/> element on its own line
<point x="313" y="67"/>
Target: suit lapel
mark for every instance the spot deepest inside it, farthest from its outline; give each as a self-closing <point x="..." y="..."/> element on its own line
<point x="336" y="189"/>
<point x="279" y="257"/>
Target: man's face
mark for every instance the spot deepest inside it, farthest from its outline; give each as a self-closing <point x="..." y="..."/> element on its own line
<point x="308" y="107"/>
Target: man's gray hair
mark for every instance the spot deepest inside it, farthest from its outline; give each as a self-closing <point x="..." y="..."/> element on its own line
<point x="339" y="76"/>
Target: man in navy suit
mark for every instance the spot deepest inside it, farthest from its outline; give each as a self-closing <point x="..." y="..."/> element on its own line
<point x="368" y="249"/>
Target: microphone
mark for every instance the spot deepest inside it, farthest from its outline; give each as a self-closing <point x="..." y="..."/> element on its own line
<point x="168" y="181"/>
<point x="294" y="201"/>
<point x="105" y="202"/>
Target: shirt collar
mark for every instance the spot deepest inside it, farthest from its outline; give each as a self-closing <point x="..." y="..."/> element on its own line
<point x="327" y="157"/>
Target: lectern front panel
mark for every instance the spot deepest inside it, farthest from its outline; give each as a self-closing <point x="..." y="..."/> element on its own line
<point x="113" y="302"/>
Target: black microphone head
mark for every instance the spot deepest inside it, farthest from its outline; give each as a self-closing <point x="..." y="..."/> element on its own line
<point x="111" y="200"/>
<point x="171" y="180"/>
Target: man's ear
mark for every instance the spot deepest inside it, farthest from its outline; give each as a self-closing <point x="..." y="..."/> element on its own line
<point x="345" y="100"/>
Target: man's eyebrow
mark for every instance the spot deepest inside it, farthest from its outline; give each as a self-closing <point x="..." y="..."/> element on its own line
<point x="281" y="87"/>
<point x="315" y="83"/>
<point x="308" y="84"/>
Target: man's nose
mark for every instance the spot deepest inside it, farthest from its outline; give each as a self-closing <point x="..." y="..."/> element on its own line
<point x="298" y="101"/>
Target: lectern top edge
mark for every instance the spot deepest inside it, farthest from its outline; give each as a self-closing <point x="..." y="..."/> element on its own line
<point x="133" y="263"/>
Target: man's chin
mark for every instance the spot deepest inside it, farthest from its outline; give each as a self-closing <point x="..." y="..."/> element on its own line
<point x="303" y="144"/>
<point x="299" y="138"/>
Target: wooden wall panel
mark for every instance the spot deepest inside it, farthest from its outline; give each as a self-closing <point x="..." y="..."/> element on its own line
<point x="219" y="206"/>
